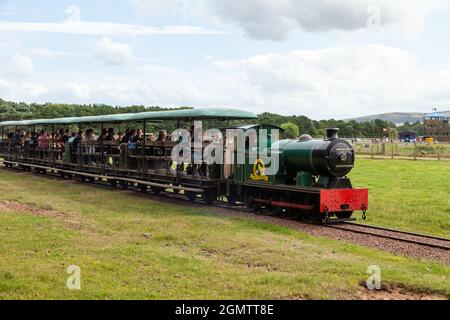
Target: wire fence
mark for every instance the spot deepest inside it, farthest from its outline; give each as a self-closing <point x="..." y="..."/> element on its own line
<point x="403" y="150"/>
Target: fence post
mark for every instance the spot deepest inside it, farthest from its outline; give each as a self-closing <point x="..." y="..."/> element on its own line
<point x="371" y="151"/>
<point x="415" y="151"/>
<point x="439" y="151"/>
<point x="392" y="155"/>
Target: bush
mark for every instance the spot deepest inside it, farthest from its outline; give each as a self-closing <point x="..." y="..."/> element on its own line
<point x="291" y="130"/>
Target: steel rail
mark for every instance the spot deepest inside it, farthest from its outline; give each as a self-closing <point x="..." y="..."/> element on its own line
<point x="397" y="231"/>
<point x="432" y="245"/>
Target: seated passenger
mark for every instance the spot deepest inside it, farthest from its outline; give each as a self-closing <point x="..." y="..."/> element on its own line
<point x="65" y="137"/>
<point x="90" y="139"/>
<point x="119" y="136"/>
<point x="33" y="141"/>
<point x="110" y="135"/>
<point x="129" y="137"/>
<point x="76" y="144"/>
<point x="102" y="135"/>
<point x="72" y="137"/>
<point x="162" y="136"/>
<point x="58" y="146"/>
<point x="17" y="136"/>
<point x="139" y="136"/>
<point x="151" y="137"/>
<point x="43" y="140"/>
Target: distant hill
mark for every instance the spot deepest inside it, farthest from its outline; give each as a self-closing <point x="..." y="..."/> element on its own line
<point x="395" y="117"/>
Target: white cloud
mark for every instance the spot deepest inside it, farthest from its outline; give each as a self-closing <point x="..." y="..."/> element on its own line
<point x="23" y="65"/>
<point x="155" y="69"/>
<point x="268" y="19"/>
<point x="78" y="90"/>
<point x="337" y="82"/>
<point x="21" y="91"/>
<point x="153" y="6"/>
<point x="102" y="28"/>
<point x="42" y="53"/>
<point x="329" y="82"/>
<point x="33" y="89"/>
<point x="113" y="53"/>
<point x="4" y="84"/>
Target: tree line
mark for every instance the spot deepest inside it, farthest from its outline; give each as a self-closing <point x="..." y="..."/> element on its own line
<point x="294" y="125"/>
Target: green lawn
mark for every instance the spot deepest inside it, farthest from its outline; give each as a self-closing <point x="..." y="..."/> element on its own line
<point x="406" y="194"/>
<point x="129" y="246"/>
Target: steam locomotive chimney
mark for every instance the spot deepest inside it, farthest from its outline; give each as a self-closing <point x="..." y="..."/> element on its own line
<point x="332" y="133"/>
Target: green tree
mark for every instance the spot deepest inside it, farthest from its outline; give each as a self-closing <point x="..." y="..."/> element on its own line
<point x="393" y="134"/>
<point x="291" y="130"/>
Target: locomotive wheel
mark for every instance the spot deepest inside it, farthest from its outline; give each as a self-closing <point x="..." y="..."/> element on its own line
<point x="315" y="215"/>
<point x="156" y="190"/>
<point x="231" y="200"/>
<point x="192" y="196"/>
<point x="209" y="197"/>
<point x="344" y="215"/>
<point x="251" y="204"/>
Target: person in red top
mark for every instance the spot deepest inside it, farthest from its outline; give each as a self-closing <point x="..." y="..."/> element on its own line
<point x="43" y="140"/>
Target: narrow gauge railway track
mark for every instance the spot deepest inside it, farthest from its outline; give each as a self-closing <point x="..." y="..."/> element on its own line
<point x="398" y="235"/>
<point x="385" y="234"/>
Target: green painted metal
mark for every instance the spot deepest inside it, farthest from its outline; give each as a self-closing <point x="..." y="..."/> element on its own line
<point x="304" y="179"/>
<point x="260" y="126"/>
<point x="195" y="114"/>
<point x="297" y="154"/>
<point x="188" y="114"/>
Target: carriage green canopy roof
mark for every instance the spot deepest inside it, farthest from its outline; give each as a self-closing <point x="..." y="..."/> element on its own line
<point x="187" y="115"/>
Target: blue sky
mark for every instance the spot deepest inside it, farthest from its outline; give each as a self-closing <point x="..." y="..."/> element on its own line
<point x="319" y="58"/>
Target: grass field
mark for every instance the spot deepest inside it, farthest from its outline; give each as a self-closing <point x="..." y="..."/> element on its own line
<point x="406" y="194"/>
<point x="129" y="246"/>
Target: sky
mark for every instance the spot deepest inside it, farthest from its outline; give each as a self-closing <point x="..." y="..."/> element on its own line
<point x="320" y="58"/>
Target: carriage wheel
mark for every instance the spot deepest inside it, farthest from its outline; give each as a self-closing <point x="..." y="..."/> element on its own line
<point x="156" y="190"/>
<point x="209" y="197"/>
<point x="192" y="196"/>
<point x="143" y="188"/>
<point x="176" y="191"/>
